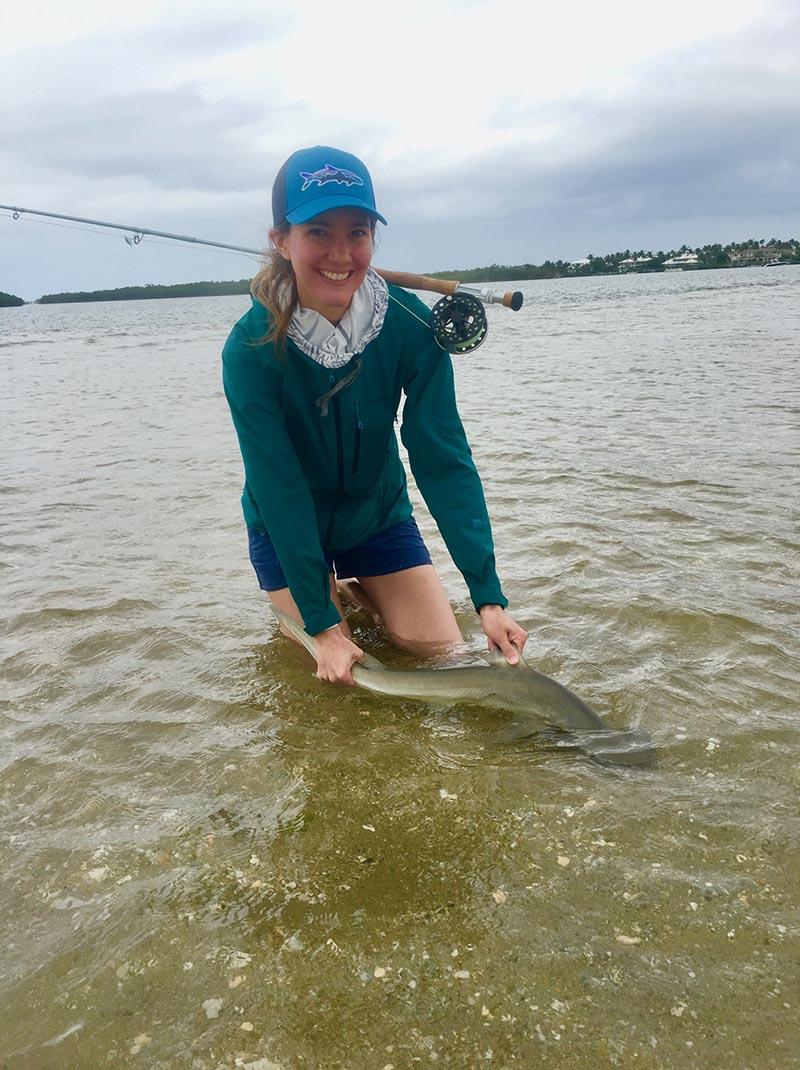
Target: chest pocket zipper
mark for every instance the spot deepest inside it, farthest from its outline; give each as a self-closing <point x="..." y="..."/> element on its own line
<point x="357" y="441"/>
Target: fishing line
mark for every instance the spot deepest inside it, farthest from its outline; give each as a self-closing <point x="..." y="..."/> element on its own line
<point x="61" y="226"/>
<point x="222" y="252"/>
<point x="130" y="240"/>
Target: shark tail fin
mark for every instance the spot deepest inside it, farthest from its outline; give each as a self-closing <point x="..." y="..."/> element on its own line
<point x="295" y="628"/>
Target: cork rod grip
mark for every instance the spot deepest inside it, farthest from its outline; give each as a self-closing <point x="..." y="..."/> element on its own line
<point x="512" y="299"/>
<point x="410" y="281"/>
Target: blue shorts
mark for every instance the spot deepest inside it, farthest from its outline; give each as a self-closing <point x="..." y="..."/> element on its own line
<point x="398" y="548"/>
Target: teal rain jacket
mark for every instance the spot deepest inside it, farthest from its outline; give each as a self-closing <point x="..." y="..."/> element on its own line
<point x="327" y="477"/>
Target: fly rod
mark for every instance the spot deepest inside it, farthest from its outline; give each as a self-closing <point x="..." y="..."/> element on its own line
<point x="511" y="300"/>
<point x="458" y="319"/>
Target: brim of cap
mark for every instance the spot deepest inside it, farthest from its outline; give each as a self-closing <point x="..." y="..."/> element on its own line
<point x="326" y="204"/>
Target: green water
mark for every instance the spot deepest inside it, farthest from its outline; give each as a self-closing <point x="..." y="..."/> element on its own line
<point x="211" y="860"/>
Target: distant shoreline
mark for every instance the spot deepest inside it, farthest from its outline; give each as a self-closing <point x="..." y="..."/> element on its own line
<point x="751" y="253"/>
<point x="151" y="292"/>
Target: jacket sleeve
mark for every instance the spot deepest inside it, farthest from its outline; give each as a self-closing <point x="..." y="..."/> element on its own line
<point x="276" y="482"/>
<point x="442" y="465"/>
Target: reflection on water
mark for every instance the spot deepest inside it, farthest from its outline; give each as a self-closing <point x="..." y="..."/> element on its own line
<point x="211" y="860"/>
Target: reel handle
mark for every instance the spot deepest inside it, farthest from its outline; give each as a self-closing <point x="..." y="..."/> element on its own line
<point x="512" y="299"/>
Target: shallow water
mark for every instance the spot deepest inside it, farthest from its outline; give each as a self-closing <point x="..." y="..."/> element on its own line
<point x="189" y="816"/>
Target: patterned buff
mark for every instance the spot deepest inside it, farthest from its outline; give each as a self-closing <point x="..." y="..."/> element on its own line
<point x="333" y="347"/>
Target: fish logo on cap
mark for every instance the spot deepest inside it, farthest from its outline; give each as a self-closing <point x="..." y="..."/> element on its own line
<point x="329" y="173"/>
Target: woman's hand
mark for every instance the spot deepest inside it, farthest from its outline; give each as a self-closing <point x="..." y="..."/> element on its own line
<point x="503" y="632"/>
<point x="336" y="655"/>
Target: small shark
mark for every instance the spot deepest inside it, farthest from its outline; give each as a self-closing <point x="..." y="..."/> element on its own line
<point x="329" y="173"/>
<point x="517" y="688"/>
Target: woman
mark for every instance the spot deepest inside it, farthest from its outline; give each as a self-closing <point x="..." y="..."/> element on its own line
<point x="314" y="374"/>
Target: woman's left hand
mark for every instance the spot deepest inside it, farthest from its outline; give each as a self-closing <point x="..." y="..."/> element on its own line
<point x="503" y="632"/>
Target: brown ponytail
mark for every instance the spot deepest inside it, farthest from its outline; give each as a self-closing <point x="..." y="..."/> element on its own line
<point x="275" y="287"/>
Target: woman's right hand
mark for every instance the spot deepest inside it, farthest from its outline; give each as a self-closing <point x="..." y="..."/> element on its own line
<point x="336" y="655"/>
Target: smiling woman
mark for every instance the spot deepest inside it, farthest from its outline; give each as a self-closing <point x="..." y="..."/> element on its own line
<point x="314" y="375"/>
<point x="330" y="256"/>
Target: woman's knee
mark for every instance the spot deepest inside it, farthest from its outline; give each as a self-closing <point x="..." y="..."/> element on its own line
<point x="414" y="608"/>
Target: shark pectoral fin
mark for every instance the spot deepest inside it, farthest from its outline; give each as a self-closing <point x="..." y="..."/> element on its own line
<point x="624" y="746"/>
<point x="517" y="732"/>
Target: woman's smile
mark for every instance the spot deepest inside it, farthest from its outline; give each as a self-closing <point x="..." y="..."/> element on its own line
<point x="330" y="257"/>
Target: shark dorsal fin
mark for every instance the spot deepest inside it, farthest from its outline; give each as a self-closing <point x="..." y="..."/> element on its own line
<point x="370" y="662"/>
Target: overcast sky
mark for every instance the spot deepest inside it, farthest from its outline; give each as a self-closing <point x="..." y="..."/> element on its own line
<point x="504" y="132"/>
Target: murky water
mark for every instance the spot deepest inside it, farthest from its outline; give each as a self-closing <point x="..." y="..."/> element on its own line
<point x="211" y="860"/>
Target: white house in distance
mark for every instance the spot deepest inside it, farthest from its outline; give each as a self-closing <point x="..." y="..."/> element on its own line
<point x="634" y="263"/>
<point x="764" y="255"/>
<point x="681" y="262"/>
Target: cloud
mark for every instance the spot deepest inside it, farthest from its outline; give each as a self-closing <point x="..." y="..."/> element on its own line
<point x="707" y="134"/>
<point x="139" y="105"/>
<point x="172" y="138"/>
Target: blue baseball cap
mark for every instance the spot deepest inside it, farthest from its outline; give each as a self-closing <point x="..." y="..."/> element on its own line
<point x="313" y="181"/>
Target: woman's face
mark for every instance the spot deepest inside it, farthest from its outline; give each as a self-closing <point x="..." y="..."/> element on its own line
<point x="330" y="255"/>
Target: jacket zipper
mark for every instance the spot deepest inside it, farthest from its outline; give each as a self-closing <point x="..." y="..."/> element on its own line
<point x="337" y="415"/>
<point x="357" y="443"/>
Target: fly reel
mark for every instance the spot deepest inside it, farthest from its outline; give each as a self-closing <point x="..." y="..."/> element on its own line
<point x="458" y="322"/>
